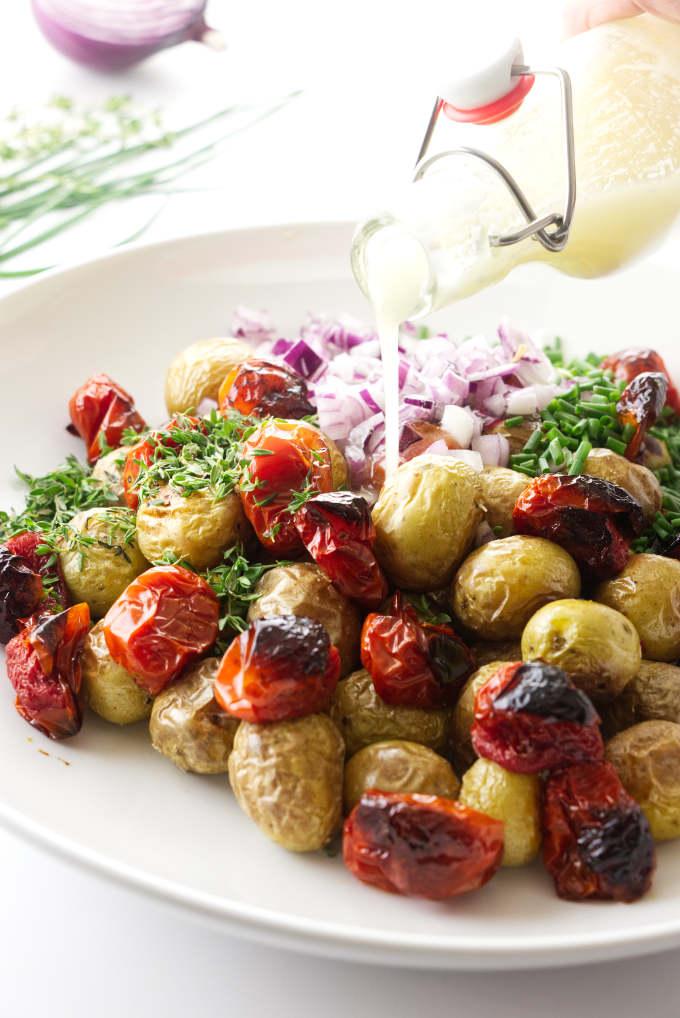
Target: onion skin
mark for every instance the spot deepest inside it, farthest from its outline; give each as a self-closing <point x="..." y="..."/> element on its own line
<point x="123" y="49"/>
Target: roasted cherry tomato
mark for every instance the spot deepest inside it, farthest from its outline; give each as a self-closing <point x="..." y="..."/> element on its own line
<point x="280" y="668"/>
<point x="282" y="458"/>
<point x="43" y="665"/>
<point x="46" y="565"/>
<point x="337" y="530"/>
<point x="596" y="839"/>
<point x="414" y="663"/>
<point x="100" y="412"/>
<point x="262" y="389"/>
<point x="140" y="456"/>
<point x="21" y="592"/>
<point x="640" y="405"/>
<point x="628" y="364"/>
<point x="594" y="520"/>
<point x="162" y="621"/>
<point x="530" y="717"/>
<point x="420" y="844"/>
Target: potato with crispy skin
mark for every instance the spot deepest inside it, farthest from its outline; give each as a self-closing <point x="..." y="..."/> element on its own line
<point x="199" y="370"/>
<point x="647" y="758"/>
<point x="398" y="766"/>
<point x="108" y="688"/>
<point x="512" y="798"/>
<point x="637" y="480"/>
<point x="500" y="585"/>
<point x="652" y="695"/>
<point x="363" y="718"/>
<point x="304" y="589"/>
<point x="188" y="725"/>
<point x="425" y="521"/>
<point x="287" y="776"/>
<point x="500" y="490"/>
<point x="647" y="591"/>
<point x="109" y="470"/>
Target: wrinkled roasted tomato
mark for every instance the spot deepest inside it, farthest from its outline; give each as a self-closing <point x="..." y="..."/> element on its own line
<point x="43" y="665"/>
<point x="162" y="621"/>
<point x="48" y="569"/>
<point x="640" y="404"/>
<point x="414" y="663"/>
<point x="263" y="389"/>
<point x="280" y="668"/>
<point x="594" y="520"/>
<point x="337" y="530"/>
<point x="530" y="717"/>
<point x="101" y="409"/>
<point x="596" y="839"/>
<point x="21" y="592"/>
<point x="628" y="364"/>
<point x="420" y="844"/>
<point x="283" y="457"/>
<point x="143" y="454"/>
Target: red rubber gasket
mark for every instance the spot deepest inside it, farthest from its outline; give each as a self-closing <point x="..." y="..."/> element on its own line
<point x="495" y="111"/>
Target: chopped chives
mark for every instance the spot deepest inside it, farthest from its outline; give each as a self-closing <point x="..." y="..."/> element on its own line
<point x="533" y="441"/>
<point x="628" y="432"/>
<point x="556" y="451"/>
<point x="580" y="456"/>
<point x="616" y="446"/>
<point x="514" y="422"/>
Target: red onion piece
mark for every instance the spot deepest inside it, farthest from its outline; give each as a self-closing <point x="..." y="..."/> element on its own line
<point x="111" y="34"/>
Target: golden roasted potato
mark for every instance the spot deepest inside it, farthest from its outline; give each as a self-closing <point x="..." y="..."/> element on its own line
<point x="363" y="718"/>
<point x="647" y="758"/>
<point x="503" y="650"/>
<point x="597" y="646"/>
<point x="500" y="585"/>
<point x="188" y="725"/>
<point x="647" y="592"/>
<point x="109" y="470"/>
<point x="110" y="691"/>
<point x="425" y="520"/>
<point x="304" y="589"/>
<point x="512" y="798"/>
<point x="397" y="766"/>
<point x="460" y="743"/>
<point x="519" y="436"/>
<point x="652" y="695"/>
<point x="287" y="776"/>
<point x="339" y="468"/>
<point x="101" y="556"/>
<point x="637" y="480"/>
<point x="194" y="527"/>
<point x="500" y="490"/>
<point x="199" y="370"/>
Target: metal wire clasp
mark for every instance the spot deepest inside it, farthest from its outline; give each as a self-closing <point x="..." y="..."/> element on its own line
<point x="551" y="230"/>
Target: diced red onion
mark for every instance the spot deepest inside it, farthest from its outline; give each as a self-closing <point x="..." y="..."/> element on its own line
<point x="494" y="449"/>
<point x="303" y="359"/>
<point x="458" y="423"/>
<point x="370" y="402"/>
<point x="255" y="326"/>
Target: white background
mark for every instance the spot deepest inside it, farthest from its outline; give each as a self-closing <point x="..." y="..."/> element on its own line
<point x="72" y="945"/>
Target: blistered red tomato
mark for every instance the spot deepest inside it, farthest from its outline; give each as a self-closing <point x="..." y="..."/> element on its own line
<point x="628" y="364"/>
<point x="337" y="530"/>
<point x="593" y="519"/>
<point x="46" y="565"/>
<point x="422" y="845"/>
<point x="596" y="839"/>
<point x="100" y="412"/>
<point x="43" y="665"/>
<point x="140" y="456"/>
<point x="21" y="592"/>
<point x="530" y="717"/>
<point x="414" y="663"/>
<point x="280" y="668"/>
<point x="162" y="621"/>
<point x="282" y="458"/>
<point x="260" y="388"/>
<point x="640" y="405"/>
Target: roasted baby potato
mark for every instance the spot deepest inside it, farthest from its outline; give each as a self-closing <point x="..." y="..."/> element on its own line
<point x="500" y="490"/>
<point x="652" y="695"/>
<point x="188" y="725"/>
<point x="512" y="798"/>
<point x="595" y="645"/>
<point x="397" y="766"/>
<point x="647" y="758"/>
<point x="425" y="520"/>
<point x="460" y="742"/>
<point x="637" y="480"/>
<point x="100" y="556"/>
<point x="363" y="718"/>
<point x="109" y="690"/>
<point x="517" y="437"/>
<point x="500" y="585"/>
<point x="195" y="527"/>
<point x="287" y="776"/>
<point x="199" y="370"/>
<point x="303" y="589"/>
<point x="109" y="469"/>
<point x="647" y="592"/>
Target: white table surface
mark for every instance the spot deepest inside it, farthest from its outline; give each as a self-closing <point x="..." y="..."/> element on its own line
<point x="72" y="945"/>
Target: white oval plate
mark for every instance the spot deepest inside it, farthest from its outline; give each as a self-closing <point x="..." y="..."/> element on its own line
<point x="105" y="799"/>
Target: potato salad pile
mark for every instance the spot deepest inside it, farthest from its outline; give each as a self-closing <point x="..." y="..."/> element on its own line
<point x="471" y="663"/>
